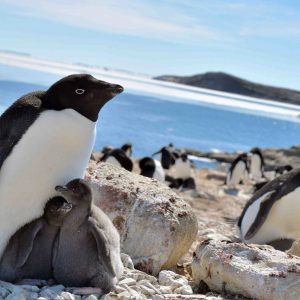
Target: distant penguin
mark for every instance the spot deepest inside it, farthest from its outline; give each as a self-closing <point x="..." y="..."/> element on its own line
<point x="256" y="164"/>
<point x="182" y="166"/>
<point x="29" y="251"/>
<point x="118" y="158"/>
<point x="46" y="138"/>
<point x="87" y="251"/>
<point x="152" y="168"/>
<point x="167" y="157"/>
<point x="127" y="148"/>
<point x="272" y="214"/>
<point x="238" y="171"/>
<point x="282" y="170"/>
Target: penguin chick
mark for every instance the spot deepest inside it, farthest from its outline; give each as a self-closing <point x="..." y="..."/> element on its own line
<point x="87" y="250"/>
<point x="28" y="254"/>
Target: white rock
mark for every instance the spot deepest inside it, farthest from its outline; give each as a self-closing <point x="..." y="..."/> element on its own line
<point x="165" y="289"/>
<point x="124" y="296"/>
<point x="258" y="272"/>
<point x="127" y="261"/>
<point x="3" y="292"/>
<point x="67" y="296"/>
<point x="127" y="281"/>
<point x="147" y="291"/>
<point x="184" y="290"/>
<point x="49" y="294"/>
<point x="149" y="285"/>
<point x="41" y="298"/>
<point x="157" y="227"/>
<point x="171" y="279"/>
<point x="158" y="297"/>
<point x="16" y="296"/>
<point x="91" y="297"/>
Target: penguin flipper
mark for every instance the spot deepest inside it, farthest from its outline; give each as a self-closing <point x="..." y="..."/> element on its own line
<point x="26" y="241"/>
<point x="102" y="242"/>
<point x="15" y="121"/>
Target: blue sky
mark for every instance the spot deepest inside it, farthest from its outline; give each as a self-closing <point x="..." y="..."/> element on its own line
<point x="257" y="40"/>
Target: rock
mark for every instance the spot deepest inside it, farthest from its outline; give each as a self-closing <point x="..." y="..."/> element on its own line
<point x="182" y="297"/>
<point x="17" y="296"/>
<point x="127" y="281"/>
<point x="184" y="290"/>
<point x="258" y="272"/>
<point x="30" y="288"/>
<point x="172" y="279"/>
<point x="67" y="296"/>
<point x="127" y="261"/>
<point x="156" y="226"/>
<point x="91" y="297"/>
<point x="50" y="294"/>
<point x="165" y="289"/>
<point x="3" y="292"/>
<point x="295" y="249"/>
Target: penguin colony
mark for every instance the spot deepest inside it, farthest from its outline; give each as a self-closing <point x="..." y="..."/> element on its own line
<point x="52" y="133"/>
<point x="41" y="238"/>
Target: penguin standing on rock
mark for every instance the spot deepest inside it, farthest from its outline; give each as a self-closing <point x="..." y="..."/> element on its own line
<point x="271" y="216"/>
<point x="238" y="171"/>
<point x="46" y="139"/>
<point x="256" y="164"/>
<point x="87" y="251"/>
<point x="118" y="158"/>
<point x="127" y="148"/>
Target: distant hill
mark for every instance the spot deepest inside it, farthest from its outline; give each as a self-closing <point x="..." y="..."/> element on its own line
<point x="227" y="83"/>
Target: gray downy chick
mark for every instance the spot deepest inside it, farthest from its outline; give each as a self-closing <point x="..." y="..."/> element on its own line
<point x="87" y="253"/>
<point x="28" y="254"/>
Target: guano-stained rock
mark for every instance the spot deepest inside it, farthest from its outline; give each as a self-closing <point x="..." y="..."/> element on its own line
<point x="156" y="226"/>
<point x="257" y="272"/>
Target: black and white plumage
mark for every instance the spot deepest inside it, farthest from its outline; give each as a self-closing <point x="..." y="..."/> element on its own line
<point x="273" y="212"/>
<point x="151" y="168"/>
<point x="87" y="250"/>
<point x="127" y="148"/>
<point x="282" y="170"/>
<point x="46" y="139"/>
<point x="238" y="171"/>
<point x="118" y="158"/>
<point x="167" y="157"/>
<point x="257" y="164"/>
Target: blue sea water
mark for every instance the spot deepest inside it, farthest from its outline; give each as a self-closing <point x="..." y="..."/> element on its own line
<point x="150" y="122"/>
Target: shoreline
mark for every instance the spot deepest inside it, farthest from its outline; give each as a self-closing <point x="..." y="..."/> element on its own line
<point x="166" y="91"/>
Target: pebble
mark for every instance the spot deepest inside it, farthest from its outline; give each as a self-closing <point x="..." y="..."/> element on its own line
<point x="16" y="296"/>
<point x="50" y="294"/>
<point x="172" y="279"/>
<point x="127" y="261"/>
<point x="165" y="289"/>
<point x="127" y="281"/>
<point x="67" y="296"/>
<point x="184" y="290"/>
<point x="30" y="288"/>
<point x="3" y="292"/>
<point x="91" y="297"/>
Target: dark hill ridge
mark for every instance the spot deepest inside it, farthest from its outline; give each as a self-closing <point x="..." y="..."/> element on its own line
<point x="227" y="83"/>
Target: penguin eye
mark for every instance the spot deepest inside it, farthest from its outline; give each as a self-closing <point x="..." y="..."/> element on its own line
<point x="79" y="91"/>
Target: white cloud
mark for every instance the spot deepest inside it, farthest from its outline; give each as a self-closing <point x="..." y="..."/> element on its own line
<point x="129" y="17"/>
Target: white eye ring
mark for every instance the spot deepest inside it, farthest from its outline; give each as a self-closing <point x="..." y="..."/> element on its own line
<point x="79" y="91"/>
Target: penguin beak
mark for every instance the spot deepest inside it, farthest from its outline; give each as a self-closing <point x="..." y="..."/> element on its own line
<point x="61" y="189"/>
<point x="115" y="89"/>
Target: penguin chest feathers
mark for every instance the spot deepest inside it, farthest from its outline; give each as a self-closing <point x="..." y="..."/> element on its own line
<point x="54" y="149"/>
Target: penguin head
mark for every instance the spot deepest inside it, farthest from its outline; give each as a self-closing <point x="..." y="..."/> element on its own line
<point x="127" y="148"/>
<point x="81" y="92"/>
<point x="56" y="209"/>
<point x="76" y="191"/>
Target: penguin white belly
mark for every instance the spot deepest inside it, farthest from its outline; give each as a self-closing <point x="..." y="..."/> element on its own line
<point x="282" y="221"/>
<point x="159" y="173"/>
<point x="55" y="149"/>
<point x="182" y="169"/>
<point x="255" y="167"/>
<point x="112" y="160"/>
<point x="238" y="174"/>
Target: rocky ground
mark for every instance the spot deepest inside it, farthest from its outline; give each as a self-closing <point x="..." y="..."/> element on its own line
<point x="185" y="244"/>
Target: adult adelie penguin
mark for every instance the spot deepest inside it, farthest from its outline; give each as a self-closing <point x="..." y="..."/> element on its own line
<point x="256" y="164"/>
<point x="118" y="158"/>
<point x="46" y="139"/>
<point x="151" y="168"/>
<point x="272" y="214"/>
<point x="238" y="170"/>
